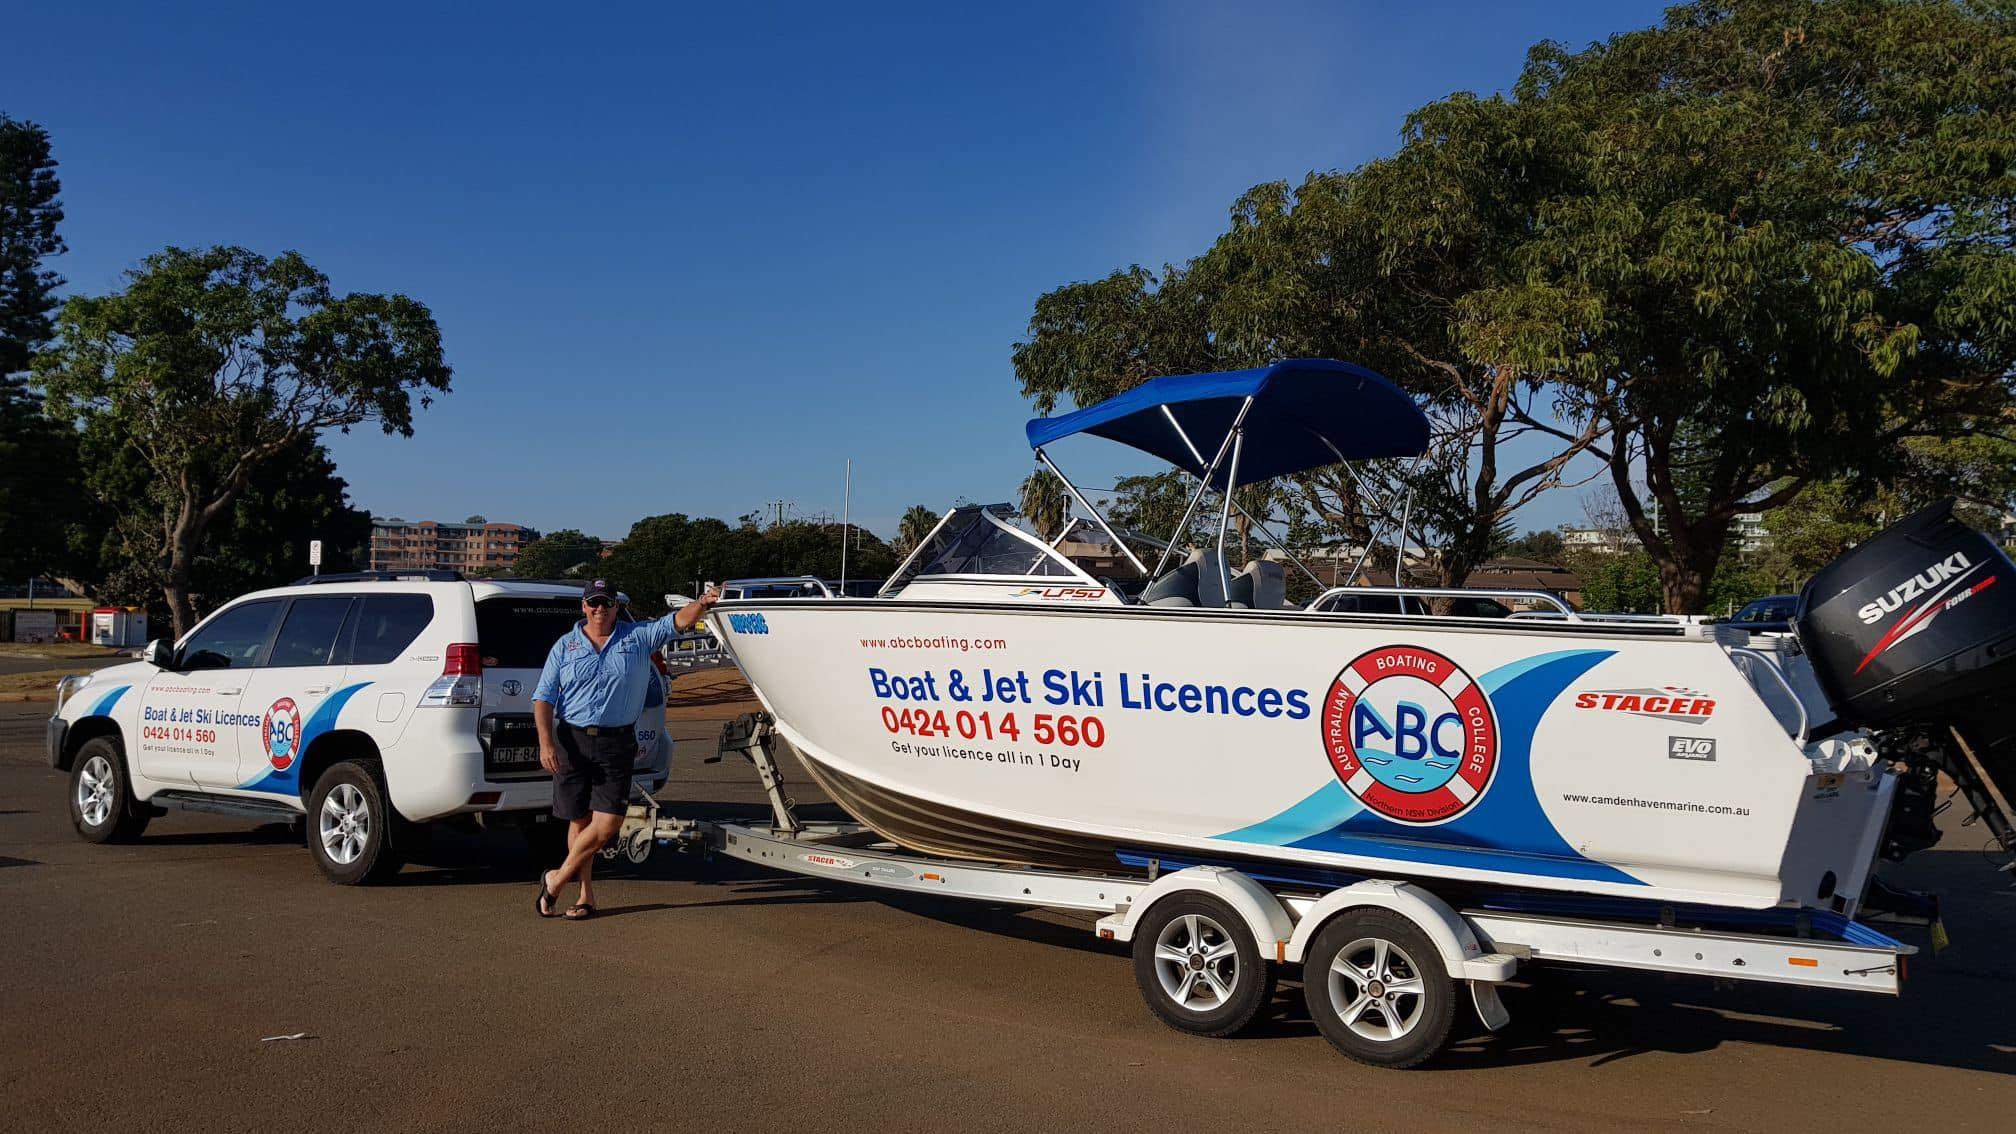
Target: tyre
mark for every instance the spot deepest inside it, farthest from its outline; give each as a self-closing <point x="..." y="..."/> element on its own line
<point x="1377" y="989"/>
<point x="102" y="807"/>
<point x="351" y="826"/>
<point x="1198" y="966"/>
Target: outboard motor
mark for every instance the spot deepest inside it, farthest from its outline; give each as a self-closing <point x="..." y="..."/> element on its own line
<point x="1913" y="634"/>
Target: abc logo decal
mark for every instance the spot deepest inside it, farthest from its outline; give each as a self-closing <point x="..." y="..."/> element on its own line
<point x="1410" y="735"/>
<point x="280" y="733"/>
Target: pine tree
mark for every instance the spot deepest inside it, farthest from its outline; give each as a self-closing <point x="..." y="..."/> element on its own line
<point x="38" y="458"/>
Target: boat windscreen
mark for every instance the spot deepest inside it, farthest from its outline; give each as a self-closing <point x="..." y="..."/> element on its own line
<point x="982" y="547"/>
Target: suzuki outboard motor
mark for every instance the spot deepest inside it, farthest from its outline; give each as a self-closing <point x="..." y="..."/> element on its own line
<point x="1913" y="633"/>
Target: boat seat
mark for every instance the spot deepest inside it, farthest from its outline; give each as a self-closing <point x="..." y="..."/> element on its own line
<point x="1261" y="585"/>
<point x="1173" y="588"/>
<point x="1213" y="575"/>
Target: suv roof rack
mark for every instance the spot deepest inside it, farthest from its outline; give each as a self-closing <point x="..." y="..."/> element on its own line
<point x="414" y="576"/>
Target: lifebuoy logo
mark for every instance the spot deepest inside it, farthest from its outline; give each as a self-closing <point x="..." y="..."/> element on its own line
<point x="1410" y="735"/>
<point x="280" y="734"/>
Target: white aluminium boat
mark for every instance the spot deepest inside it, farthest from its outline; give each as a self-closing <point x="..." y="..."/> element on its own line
<point x="996" y="702"/>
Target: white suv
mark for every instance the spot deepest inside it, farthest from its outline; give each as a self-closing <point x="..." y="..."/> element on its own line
<point x="367" y="703"/>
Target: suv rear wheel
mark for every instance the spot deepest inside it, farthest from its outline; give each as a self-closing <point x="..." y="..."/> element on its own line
<point x="350" y="826"/>
<point x="102" y="807"/>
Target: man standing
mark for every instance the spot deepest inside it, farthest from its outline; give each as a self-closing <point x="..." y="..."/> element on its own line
<point x="596" y="676"/>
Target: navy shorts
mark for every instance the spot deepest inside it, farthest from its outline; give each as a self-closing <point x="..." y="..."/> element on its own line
<point x="594" y="773"/>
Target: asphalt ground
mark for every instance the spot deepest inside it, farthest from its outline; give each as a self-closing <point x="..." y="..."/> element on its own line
<point x="138" y="985"/>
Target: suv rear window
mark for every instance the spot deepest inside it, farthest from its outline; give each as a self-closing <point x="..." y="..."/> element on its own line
<point x="386" y="625"/>
<point x="518" y="633"/>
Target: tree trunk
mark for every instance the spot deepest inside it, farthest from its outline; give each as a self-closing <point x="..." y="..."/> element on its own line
<point x="175" y="581"/>
<point x="1686" y="572"/>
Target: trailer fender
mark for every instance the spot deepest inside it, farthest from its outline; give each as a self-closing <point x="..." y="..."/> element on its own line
<point x="1465" y="957"/>
<point x="1262" y="912"/>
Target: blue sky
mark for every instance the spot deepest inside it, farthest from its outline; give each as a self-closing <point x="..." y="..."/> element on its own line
<point x="691" y="261"/>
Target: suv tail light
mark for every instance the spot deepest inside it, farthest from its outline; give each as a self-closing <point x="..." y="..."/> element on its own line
<point x="461" y="680"/>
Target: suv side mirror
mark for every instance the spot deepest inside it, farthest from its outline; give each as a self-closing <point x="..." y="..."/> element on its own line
<point x="159" y="654"/>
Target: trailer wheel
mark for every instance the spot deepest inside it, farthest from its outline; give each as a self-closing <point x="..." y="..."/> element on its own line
<point x="1198" y="966"/>
<point x="1377" y="989"/>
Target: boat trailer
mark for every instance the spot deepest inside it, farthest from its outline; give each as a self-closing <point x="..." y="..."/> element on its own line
<point x="1208" y="938"/>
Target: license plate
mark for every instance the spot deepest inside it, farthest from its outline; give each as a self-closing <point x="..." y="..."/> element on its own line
<point x="516" y="754"/>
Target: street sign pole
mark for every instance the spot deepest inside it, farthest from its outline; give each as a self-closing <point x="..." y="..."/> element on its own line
<point x="315" y="557"/>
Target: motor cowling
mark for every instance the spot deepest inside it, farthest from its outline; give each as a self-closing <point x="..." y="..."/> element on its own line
<point x="1913" y="632"/>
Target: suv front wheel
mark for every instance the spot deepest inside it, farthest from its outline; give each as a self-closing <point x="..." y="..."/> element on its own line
<point x="101" y="803"/>
<point x="350" y="826"/>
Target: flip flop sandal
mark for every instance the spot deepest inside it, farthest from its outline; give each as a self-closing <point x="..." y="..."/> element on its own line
<point x="547" y="902"/>
<point x="581" y="911"/>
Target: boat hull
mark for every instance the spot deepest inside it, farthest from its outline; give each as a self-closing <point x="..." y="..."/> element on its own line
<point x="1629" y="761"/>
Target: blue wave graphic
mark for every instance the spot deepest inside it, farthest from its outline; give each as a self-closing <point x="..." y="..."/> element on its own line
<point x="1505" y="831"/>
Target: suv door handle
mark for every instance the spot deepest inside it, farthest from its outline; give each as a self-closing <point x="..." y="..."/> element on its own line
<point x="230" y="692"/>
<point x="316" y="689"/>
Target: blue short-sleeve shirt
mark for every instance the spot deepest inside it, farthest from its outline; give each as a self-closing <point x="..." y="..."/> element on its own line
<point x="606" y="687"/>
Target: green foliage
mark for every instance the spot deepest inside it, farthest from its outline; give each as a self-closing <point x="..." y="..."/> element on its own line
<point x="38" y="457"/>
<point x="557" y="555"/>
<point x="1778" y="245"/>
<point x="1541" y="546"/>
<point x="213" y="364"/>
<point x="916" y="523"/>
<point x="1759" y="245"/>
<point x="1619" y="583"/>
<point x="674" y="554"/>
<point x="1045" y="503"/>
<point x="29" y="215"/>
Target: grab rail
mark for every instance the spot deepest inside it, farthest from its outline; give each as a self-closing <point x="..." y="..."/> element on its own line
<point x="1450" y="592"/>
<point x="1756" y="659"/>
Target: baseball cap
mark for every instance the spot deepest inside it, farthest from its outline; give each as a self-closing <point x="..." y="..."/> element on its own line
<point x="597" y="588"/>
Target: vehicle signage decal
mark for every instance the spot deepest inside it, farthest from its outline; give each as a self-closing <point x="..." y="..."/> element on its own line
<point x="832" y="860"/>
<point x="280" y="733"/>
<point x="748" y="624"/>
<point x="1410" y="735"/>
<point x="1927" y="612"/>
<point x="287" y="780"/>
<point x="1666" y="703"/>
<point x="1506" y="829"/>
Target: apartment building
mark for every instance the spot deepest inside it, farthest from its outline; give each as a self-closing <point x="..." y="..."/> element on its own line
<point x="477" y="545"/>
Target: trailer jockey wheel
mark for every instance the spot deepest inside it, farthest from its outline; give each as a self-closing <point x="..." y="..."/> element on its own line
<point x="1377" y="988"/>
<point x="1198" y="966"/>
<point x="638" y="845"/>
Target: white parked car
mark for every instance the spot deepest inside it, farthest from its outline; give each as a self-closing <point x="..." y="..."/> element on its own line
<point x="366" y="703"/>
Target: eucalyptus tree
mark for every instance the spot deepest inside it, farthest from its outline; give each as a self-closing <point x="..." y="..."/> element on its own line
<point x="211" y="364"/>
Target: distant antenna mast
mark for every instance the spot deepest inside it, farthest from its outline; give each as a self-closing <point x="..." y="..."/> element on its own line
<point x="846" y="500"/>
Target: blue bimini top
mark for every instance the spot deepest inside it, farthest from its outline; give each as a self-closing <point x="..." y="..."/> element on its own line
<point x="1307" y="413"/>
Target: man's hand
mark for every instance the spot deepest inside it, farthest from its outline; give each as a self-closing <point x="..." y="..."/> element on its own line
<point x="690" y="615"/>
<point x="549" y="743"/>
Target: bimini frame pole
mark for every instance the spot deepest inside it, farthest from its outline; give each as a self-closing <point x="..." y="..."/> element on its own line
<point x="1264" y="530"/>
<point x="1225" y="512"/>
<point x="1087" y="505"/>
<point x="1203" y="482"/>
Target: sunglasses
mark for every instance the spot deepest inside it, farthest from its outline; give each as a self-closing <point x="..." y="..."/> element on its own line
<point x="599" y="603"/>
